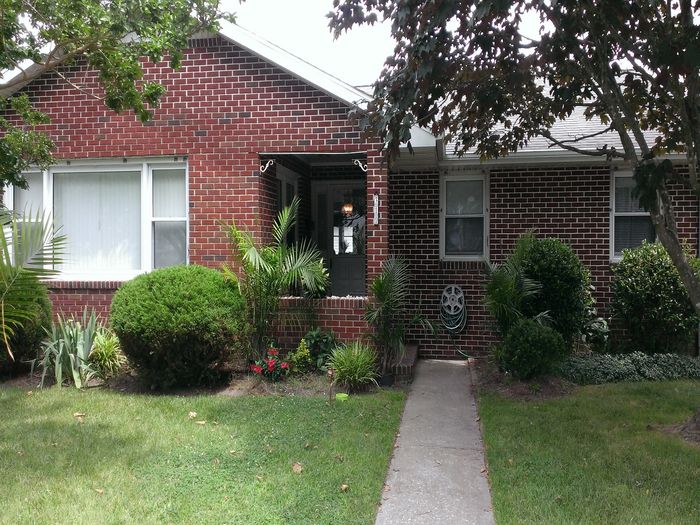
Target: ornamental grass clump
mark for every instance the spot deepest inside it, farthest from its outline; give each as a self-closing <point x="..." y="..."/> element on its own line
<point x="354" y="366"/>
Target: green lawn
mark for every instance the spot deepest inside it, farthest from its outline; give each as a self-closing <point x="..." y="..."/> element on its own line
<point x="595" y="456"/>
<point x="141" y="459"/>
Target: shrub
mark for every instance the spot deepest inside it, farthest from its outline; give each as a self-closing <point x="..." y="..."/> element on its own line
<point x="301" y="360"/>
<point x="596" y="369"/>
<point x="177" y="324"/>
<point x="106" y="356"/>
<point x="565" y="284"/>
<point x="67" y="350"/>
<point x="320" y="344"/>
<point x="530" y="349"/>
<point x="271" y="366"/>
<point x="354" y="365"/>
<point x="650" y="302"/>
<point x="27" y="338"/>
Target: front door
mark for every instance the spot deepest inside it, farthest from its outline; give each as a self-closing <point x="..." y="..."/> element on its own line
<point x="340" y="220"/>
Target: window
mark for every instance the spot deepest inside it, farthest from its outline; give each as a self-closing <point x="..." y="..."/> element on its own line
<point x="631" y="223"/>
<point x="119" y="219"/>
<point x="464" y="216"/>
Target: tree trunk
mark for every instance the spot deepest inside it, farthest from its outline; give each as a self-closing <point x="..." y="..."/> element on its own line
<point x="665" y="225"/>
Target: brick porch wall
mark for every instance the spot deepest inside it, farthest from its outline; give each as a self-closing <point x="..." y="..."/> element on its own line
<point x="569" y="203"/>
<point x="222" y="109"/>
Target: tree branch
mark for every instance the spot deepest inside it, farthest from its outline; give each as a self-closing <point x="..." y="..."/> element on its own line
<point x="605" y="151"/>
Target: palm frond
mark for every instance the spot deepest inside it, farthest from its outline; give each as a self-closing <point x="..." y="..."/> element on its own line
<point x="285" y="221"/>
<point x="29" y="250"/>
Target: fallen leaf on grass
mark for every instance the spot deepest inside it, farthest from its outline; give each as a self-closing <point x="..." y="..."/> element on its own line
<point x="297" y="468"/>
<point x="344" y="488"/>
<point x="202" y="423"/>
<point x="30" y="393"/>
<point x="99" y="491"/>
<point x="78" y="414"/>
<point x="192" y="415"/>
<point x="20" y="452"/>
<point x="483" y="470"/>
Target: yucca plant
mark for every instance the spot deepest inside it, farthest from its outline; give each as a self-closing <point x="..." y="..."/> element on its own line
<point x="354" y="365"/>
<point x="30" y="249"/>
<point x="388" y="311"/>
<point x="267" y="272"/>
<point x="67" y="350"/>
<point x="106" y="356"/>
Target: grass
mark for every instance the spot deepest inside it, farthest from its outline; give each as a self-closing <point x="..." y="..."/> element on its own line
<point x="141" y="459"/>
<point x="596" y="456"/>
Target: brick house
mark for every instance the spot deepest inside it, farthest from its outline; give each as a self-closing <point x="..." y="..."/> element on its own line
<point x="244" y="126"/>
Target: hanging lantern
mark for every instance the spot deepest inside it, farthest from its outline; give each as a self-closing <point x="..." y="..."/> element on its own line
<point x="347" y="209"/>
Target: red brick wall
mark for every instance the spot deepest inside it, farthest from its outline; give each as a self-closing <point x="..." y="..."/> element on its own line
<point x="342" y="316"/>
<point x="71" y="298"/>
<point x="222" y="109"/>
<point x="569" y="203"/>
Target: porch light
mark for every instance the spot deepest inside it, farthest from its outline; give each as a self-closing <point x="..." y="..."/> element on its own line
<point x="347" y="209"/>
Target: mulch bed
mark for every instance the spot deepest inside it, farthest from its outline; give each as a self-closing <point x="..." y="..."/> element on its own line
<point x="488" y="378"/>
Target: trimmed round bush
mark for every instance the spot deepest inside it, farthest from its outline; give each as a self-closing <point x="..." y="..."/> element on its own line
<point x="26" y="341"/>
<point x="177" y="324"/>
<point x="565" y="281"/>
<point x="650" y="303"/>
<point x="530" y="349"/>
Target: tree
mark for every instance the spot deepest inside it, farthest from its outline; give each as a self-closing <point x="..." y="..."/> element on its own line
<point x="465" y="69"/>
<point x="110" y="36"/>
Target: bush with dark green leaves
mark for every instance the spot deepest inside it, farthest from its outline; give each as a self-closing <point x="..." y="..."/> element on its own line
<point x="650" y="302"/>
<point x="565" y="293"/>
<point x="177" y="324"/>
<point x="26" y="340"/>
<point x="530" y="349"/>
<point x="595" y="369"/>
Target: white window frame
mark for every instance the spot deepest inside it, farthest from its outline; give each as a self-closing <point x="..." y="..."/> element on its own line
<point x="146" y="167"/>
<point x="469" y="176"/>
<point x="613" y="214"/>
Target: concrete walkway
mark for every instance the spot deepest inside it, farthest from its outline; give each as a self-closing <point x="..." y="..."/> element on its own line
<point x="437" y="473"/>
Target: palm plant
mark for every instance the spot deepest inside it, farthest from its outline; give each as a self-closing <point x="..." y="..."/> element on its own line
<point x="388" y="311"/>
<point x="267" y="272"/>
<point x="29" y="251"/>
<point x="507" y="291"/>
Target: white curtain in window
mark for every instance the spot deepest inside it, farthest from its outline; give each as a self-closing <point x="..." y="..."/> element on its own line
<point x="32" y="197"/>
<point x="169" y="194"/>
<point x="100" y="213"/>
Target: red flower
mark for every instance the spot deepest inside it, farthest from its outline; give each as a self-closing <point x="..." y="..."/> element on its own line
<point x="272" y="351"/>
<point x="256" y="369"/>
<point x="284" y="365"/>
<point x="270" y="365"/>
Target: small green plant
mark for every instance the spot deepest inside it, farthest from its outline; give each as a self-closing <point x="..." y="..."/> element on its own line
<point x="594" y="369"/>
<point x="321" y="344"/>
<point x="67" y="350"/>
<point x="650" y="302"/>
<point x="301" y="361"/>
<point x="388" y="311"/>
<point x="530" y="349"/>
<point x="354" y="366"/>
<point x="271" y="366"/>
<point x="106" y="356"/>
